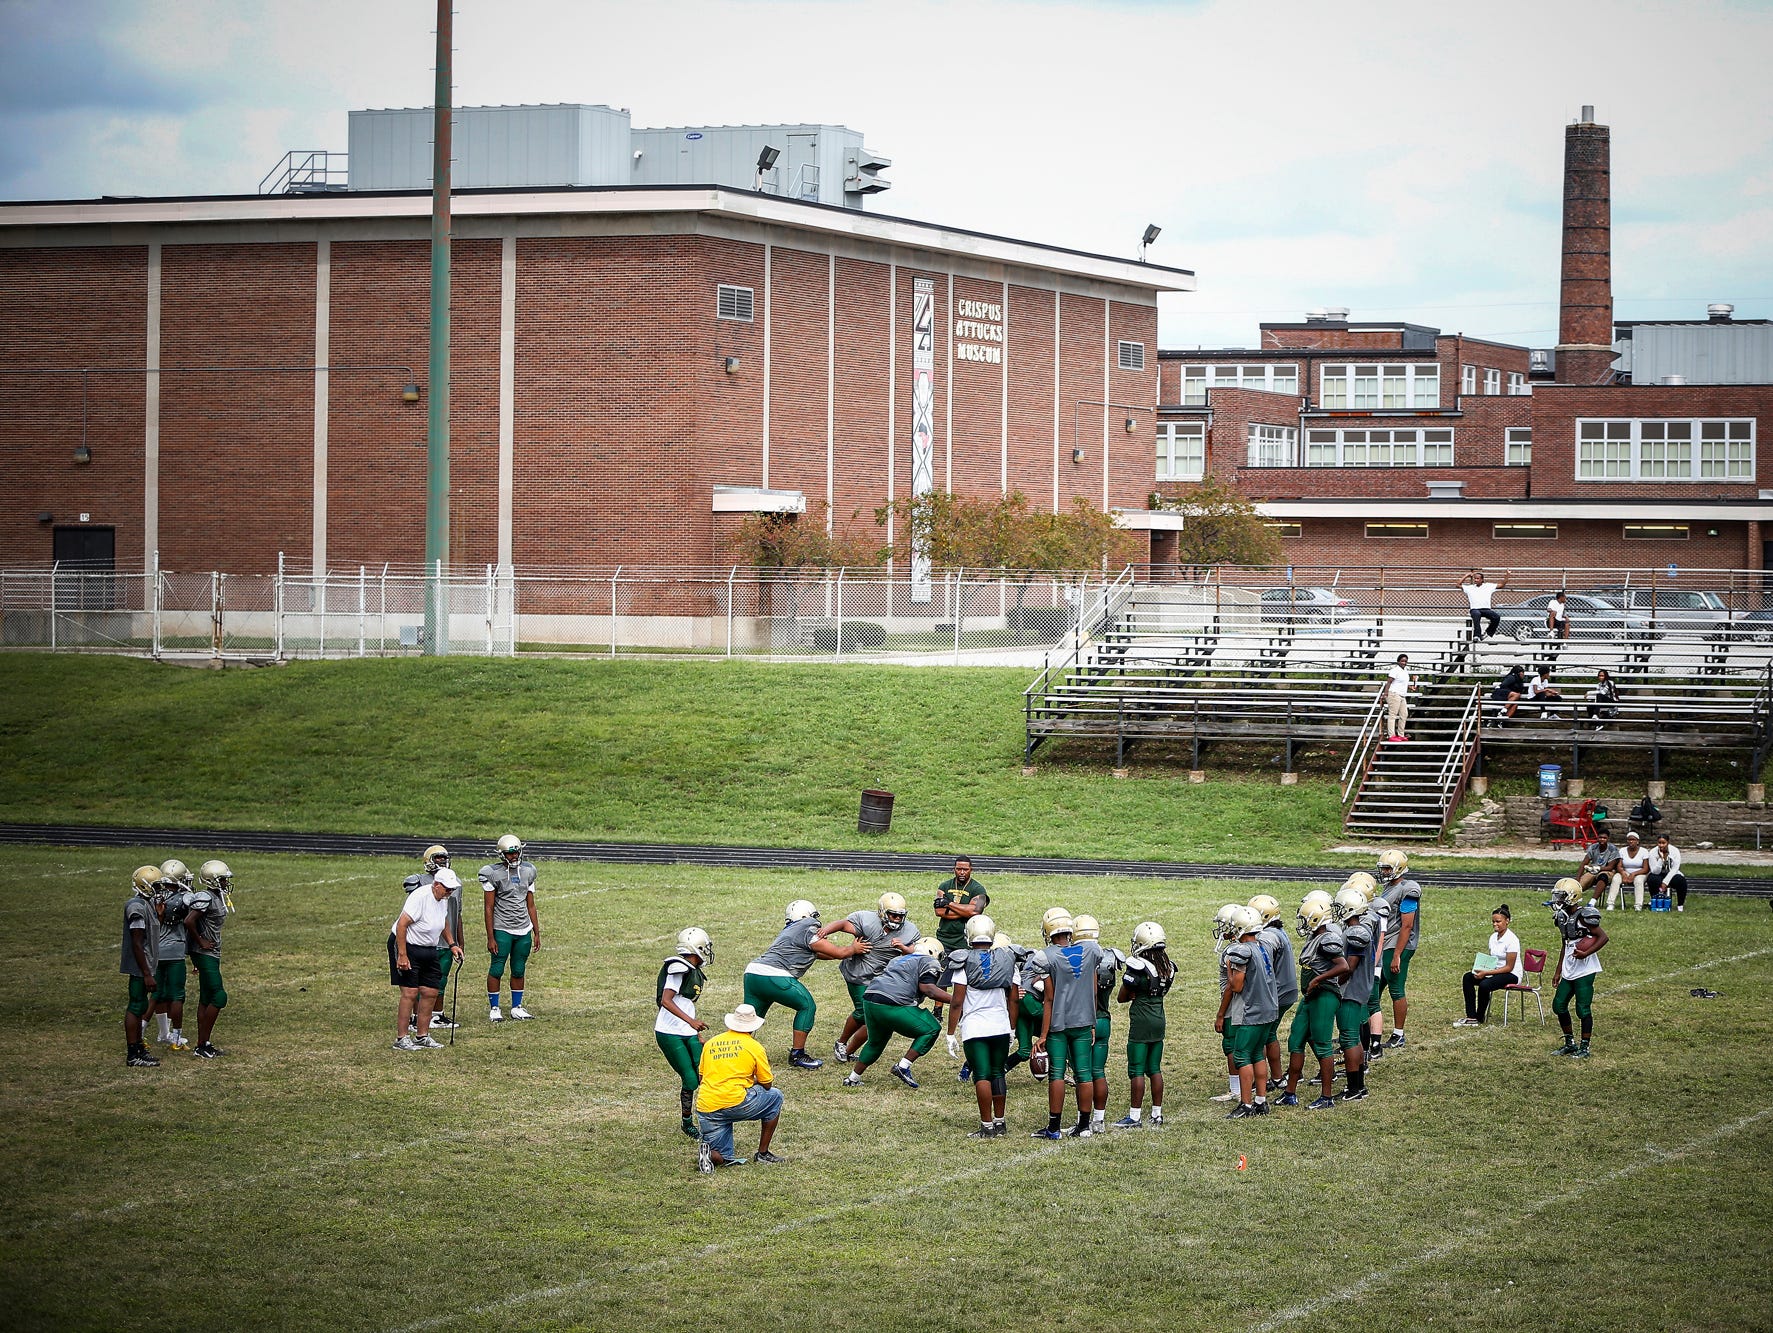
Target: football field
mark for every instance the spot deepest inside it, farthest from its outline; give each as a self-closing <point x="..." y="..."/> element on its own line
<point x="534" y="1175"/>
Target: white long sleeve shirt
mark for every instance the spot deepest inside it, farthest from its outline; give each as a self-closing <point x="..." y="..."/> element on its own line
<point x="1665" y="865"/>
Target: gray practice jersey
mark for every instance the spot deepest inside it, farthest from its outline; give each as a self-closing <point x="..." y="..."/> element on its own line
<point x="207" y="903"/>
<point x="139" y="915"/>
<point x="983" y="969"/>
<point x="1071" y="983"/>
<point x="793" y="949"/>
<point x="1404" y="896"/>
<point x="169" y="943"/>
<point x="1357" y="942"/>
<point x="1320" y="954"/>
<point x="898" y="984"/>
<point x="1286" y="967"/>
<point x="872" y="929"/>
<point x="510" y="887"/>
<point x="1256" y="1002"/>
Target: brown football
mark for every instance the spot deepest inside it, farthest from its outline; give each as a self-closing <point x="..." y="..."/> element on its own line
<point x="1039" y="1064"/>
<point x="1586" y="946"/>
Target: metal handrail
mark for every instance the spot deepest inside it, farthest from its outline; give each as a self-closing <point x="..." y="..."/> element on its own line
<point x="1363" y="748"/>
<point x="1099" y="614"/>
<point x="1464" y="748"/>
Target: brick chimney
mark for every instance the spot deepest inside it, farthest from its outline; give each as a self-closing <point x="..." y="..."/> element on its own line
<point x="1585" y="317"/>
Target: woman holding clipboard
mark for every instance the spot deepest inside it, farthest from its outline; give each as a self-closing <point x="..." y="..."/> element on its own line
<point x="1500" y="966"/>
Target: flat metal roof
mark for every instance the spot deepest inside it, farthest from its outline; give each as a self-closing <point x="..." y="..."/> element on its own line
<point x="586" y="201"/>
<point x="1727" y="511"/>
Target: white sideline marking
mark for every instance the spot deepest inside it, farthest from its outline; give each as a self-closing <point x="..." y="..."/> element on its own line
<point x="1696" y="967"/>
<point x="1380" y="1276"/>
<point x="718" y="1247"/>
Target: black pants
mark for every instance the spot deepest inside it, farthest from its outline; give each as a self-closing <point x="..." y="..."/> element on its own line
<point x="1478" y="991"/>
<point x="1479" y="616"/>
<point x="1677" y="884"/>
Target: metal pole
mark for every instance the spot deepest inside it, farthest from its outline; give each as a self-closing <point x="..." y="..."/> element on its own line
<point x="437" y="433"/>
<point x="215" y="614"/>
<point x="154" y="592"/>
<point x="52" y="604"/>
<point x="382" y="611"/>
<point x="317" y="592"/>
<point x="839" y="652"/>
<point x="276" y="600"/>
<point x="958" y="581"/>
<point x="489" y="611"/>
<point x="612" y="609"/>
<point x="362" y="609"/>
<point x="731" y="575"/>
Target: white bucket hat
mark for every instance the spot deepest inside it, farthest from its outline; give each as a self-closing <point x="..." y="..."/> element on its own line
<point x="744" y="1019"/>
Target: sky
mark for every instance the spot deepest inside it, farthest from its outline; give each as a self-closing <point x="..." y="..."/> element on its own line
<point x="1403" y="160"/>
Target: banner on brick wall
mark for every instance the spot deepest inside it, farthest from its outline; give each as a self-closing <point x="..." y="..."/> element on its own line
<point x="923" y="417"/>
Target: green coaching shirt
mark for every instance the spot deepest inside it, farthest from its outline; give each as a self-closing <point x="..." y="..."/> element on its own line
<point x="952" y="935"/>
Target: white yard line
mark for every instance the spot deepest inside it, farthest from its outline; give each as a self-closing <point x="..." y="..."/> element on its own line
<point x="1380" y="1276"/>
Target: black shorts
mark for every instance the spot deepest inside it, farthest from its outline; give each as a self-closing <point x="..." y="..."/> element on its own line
<point x="424" y="974"/>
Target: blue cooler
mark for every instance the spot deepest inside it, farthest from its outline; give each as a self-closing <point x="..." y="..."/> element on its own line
<point x="1550" y="776"/>
<point x="1662" y="904"/>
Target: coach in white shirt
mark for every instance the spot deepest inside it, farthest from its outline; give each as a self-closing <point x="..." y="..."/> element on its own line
<point x="413" y="957"/>
<point x="1665" y="873"/>
<point x="1505" y="947"/>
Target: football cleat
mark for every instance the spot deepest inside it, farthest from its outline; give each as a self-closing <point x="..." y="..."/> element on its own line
<point x="206" y="1050"/>
<point x="1287" y="1099"/>
<point x="1261" y="1108"/>
<point x="852" y="1080"/>
<point x="983" y="1133"/>
<point x="1081" y="1130"/>
<point x="704" y="1158"/>
<point x="801" y="1060"/>
<point x="140" y="1059"/>
<point x="767" y="1157"/>
<point x="840" y="1053"/>
<point x="689" y="1128"/>
<point x="1358" y="1095"/>
<point x="1047" y="1134"/>
<point x="1242" y="1111"/>
<point x="1321" y="1104"/>
<point x="1127" y="1122"/>
<point x="439" y="1021"/>
<point x="405" y="1043"/>
<point x="904" y="1076"/>
<point x="966" y="1073"/>
<point x="1581" y="1053"/>
<point x="1395" y="1040"/>
<point x="519" y="1012"/>
<point x="494" y="1016"/>
<point x="429" y="1043"/>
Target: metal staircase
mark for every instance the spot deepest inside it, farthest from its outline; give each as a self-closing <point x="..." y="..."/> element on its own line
<point x="1407" y="790"/>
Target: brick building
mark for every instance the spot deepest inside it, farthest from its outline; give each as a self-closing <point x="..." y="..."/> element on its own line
<point x="221" y="380"/>
<point x="1395" y="444"/>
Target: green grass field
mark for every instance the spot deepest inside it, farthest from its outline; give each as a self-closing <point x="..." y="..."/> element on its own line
<point x="534" y="1175"/>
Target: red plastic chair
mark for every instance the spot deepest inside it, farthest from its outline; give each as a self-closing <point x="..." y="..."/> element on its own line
<point x="1532" y="972"/>
<point x="1578" y="818"/>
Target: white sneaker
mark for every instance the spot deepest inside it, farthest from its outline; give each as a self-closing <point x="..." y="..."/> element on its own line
<point x="852" y="1081"/>
<point x="494" y="1015"/>
<point x="840" y="1053"/>
<point x="429" y="1043"/>
<point x="178" y="1042"/>
<point x="406" y="1043"/>
<point x="1156" y="1119"/>
<point x="1224" y="1097"/>
<point x="518" y="1011"/>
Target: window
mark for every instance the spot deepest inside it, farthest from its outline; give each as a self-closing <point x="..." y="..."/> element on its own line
<point x="1655" y="532"/>
<point x="1517" y="532"/>
<point x="1181" y="450"/>
<point x="733" y="303"/>
<point x="1132" y="356"/>
<point x="1286" y="529"/>
<point x="1196" y="380"/>
<point x="1517" y="383"/>
<point x="1656" y="450"/>
<point x="1370" y="388"/>
<point x="1467" y="379"/>
<point x="1493" y="381"/>
<point x="1397" y="529"/>
<point x="1519" y="446"/>
<point x="1272" y="446"/>
<point x="1379" y="448"/>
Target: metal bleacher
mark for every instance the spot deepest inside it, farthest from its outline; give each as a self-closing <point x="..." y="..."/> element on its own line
<point x="1202" y="665"/>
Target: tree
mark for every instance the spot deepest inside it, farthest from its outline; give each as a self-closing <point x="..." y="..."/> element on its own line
<point x="1004" y="533"/>
<point x="800" y="541"/>
<point x="1221" y="527"/>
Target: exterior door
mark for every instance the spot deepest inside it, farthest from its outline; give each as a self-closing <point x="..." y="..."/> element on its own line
<point x="86" y="560"/>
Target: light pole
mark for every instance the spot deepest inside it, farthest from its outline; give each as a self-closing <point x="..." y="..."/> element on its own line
<point x="437" y="432"/>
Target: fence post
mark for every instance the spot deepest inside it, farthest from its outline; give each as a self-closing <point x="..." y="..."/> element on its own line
<point x="382" y="612"/>
<point x="362" y="608"/>
<point x="839" y="653"/>
<point x="613" y="578"/>
<point x="732" y="574"/>
<point x="52" y="603"/>
<point x="276" y="601"/>
<point x="215" y="612"/>
<point x="154" y="609"/>
<point x="317" y="593"/>
<point x="958" y="581"/>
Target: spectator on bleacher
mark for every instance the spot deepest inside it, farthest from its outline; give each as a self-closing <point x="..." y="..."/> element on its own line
<point x="1397" y="698"/>
<point x="1540" y="690"/>
<point x="1557" y="616"/>
<point x="1505" y="946"/>
<point x="1480" y="592"/>
<point x="1603" y="700"/>
<point x="1633" y="868"/>
<point x="1598" y="862"/>
<point x="1511" y="688"/>
<point x="1665" y="873"/>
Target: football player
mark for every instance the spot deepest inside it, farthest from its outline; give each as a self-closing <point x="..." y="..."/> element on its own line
<point x="1068" y="1020"/>
<point x="983" y="979"/>
<point x="1222" y="937"/>
<point x="774" y="977"/>
<point x="170" y="949"/>
<point x="1086" y="927"/>
<point x="893" y="1003"/>
<point x="889" y="935"/>
<point x="206" y="909"/>
<point x="512" y="927"/>
<point x="1579" y="962"/>
<point x="676" y="1029"/>
<point x="1028" y="1007"/>
<point x="1149" y="976"/>
<point x="1286" y="974"/>
<point x="1403" y="898"/>
<point x="141" y="933"/>
<point x="1247" y="1005"/>
<point x="1323" y="965"/>
<point x="1351" y="912"/>
<point x="435" y="862"/>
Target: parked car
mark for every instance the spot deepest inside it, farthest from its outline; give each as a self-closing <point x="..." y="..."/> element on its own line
<point x="1306" y="605"/>
<point x="1671" y="608"/>
<point x="1752" y="627"/>
<point x="1590" y="618"/>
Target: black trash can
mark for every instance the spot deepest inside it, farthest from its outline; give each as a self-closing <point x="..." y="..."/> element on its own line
<point x="877" y="812"/>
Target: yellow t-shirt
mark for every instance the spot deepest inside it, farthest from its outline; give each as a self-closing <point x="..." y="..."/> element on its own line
<point x="731" y="1064"/>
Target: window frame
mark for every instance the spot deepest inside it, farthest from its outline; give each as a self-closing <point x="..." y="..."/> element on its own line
<point x="1263" y="378"/>
<point x="1285" y="528"/>
<point x="1524" y="532"/>
<point x="1468" y="380"/>
<point x="1263" y="434"/>
<point x="1521" y="438"/>
<point x="1360" y="380"/>
<point x="1655" y="532"/>
<point x="1492" y="382"/>
<point x="1667" y="450"/>
<point x="1361" y="452"/>
<point x="1399" y="535"/>
<point x="1172" y="433"/>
